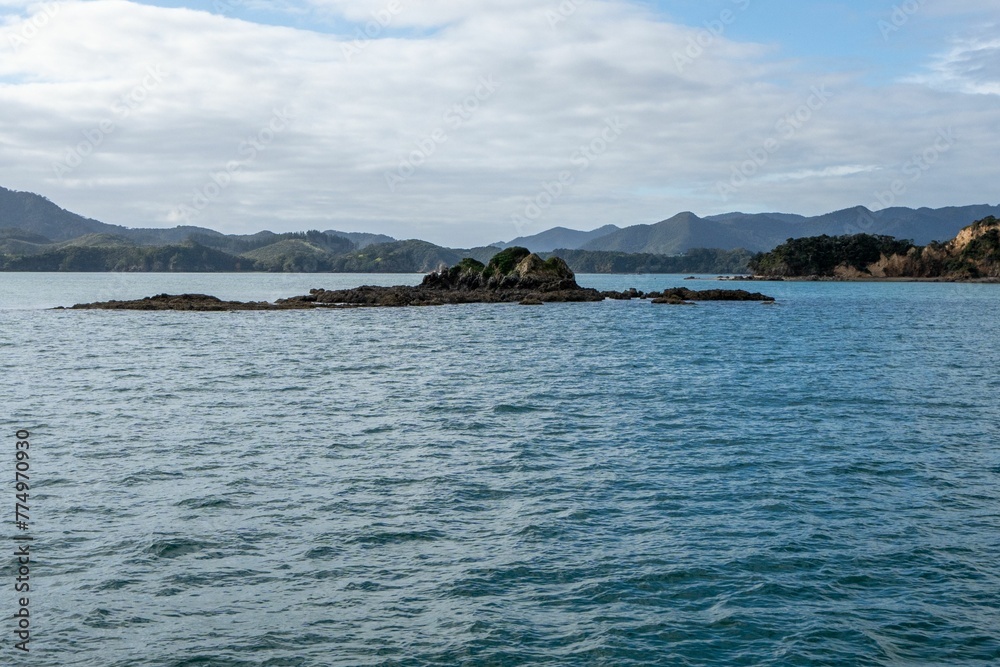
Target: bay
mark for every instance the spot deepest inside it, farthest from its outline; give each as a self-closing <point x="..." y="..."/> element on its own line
<point x="811" y="483"/>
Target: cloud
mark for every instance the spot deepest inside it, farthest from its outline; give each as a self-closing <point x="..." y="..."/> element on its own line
<point x="429" y="13"/>
<point x="971" y="66"/>
<point x="412" y="101"/>
<point x="826" y="172"/>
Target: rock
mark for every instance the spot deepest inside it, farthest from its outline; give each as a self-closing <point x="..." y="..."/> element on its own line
<point x="673" y="301"/>
<point x="531" y="302"/>
<point x="514" y="275"/>
<point x="200" y="302"/>
<point x="684" y="293"/>
<point x="511" y="269"/>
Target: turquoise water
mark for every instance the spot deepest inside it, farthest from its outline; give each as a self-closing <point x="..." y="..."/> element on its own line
<point x="811" y="483"/>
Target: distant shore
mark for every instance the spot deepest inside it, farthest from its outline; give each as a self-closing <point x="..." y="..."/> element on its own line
<point x="841" y="279"/>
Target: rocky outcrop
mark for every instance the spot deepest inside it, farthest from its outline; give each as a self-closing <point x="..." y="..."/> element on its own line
<point x="681" y="294"/>
<point x="511" y="269"/>
<point x="512" y="276"/>
<point x="179" y="302"/>
<point x="673" y="301"/>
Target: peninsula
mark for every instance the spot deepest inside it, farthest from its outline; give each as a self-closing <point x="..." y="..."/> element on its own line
<point x="973" y="255"/>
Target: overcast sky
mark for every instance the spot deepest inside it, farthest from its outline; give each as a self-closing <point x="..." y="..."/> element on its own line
<point x="464" y="123"/>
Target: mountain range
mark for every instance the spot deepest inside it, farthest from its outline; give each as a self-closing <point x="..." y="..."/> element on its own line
<point x="760" y="232"/>
<point x="38" y="235"/>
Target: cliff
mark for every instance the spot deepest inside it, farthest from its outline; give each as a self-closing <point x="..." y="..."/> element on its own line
<point x="974" y="254"/>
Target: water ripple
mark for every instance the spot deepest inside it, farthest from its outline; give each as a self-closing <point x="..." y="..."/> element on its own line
<point x="584" y="484"/>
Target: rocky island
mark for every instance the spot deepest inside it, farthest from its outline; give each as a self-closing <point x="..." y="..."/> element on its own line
<point x="514" y="275"/>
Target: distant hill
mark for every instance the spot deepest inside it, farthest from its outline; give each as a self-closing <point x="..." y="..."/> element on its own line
<point x="558" y="237"/>
<point x="37" y="235"/>
<point x="168" y="258"/>
<point x="696" y="260"/>
<point x="669" y="237"/>
<point x="298" y="255"/>
<point x="361" y="239"/>
<point x="764" y="231"/>
<point x="35" y="214"/>
<point x="411" y="256"/>
<point x="156" y="236"/>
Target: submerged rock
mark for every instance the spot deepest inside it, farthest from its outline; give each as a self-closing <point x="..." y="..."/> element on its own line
<point x="179" y="302"/>
<point x="685" y="294"/>
<point x="673" y="301"/>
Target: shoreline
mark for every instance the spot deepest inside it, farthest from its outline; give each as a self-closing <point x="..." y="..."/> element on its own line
<point x="839" y="279"/>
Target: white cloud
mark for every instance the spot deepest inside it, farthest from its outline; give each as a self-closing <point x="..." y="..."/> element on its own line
<point x="971" y="66"/>
<point x="826" y="172"/>
<point x="362" y="108"/>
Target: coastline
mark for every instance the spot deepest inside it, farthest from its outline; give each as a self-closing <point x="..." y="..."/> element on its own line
<point x="841" y="279"/>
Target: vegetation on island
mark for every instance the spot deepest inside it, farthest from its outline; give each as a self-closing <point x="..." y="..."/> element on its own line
<point x="695" y="260"/>
<point x="821" y="255"/>
<point x="973" y="254"/>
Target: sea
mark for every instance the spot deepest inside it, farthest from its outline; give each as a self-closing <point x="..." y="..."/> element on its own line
<point x="815" y="482"/>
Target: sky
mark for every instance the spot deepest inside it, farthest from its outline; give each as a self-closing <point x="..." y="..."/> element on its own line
<point x="467" y="123"/>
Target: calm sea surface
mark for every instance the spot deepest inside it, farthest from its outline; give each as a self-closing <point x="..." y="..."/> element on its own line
<point x="623" y="484"/>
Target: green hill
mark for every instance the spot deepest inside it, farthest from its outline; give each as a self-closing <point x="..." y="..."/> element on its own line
<point x="291" y="256"/>
<point x="696" y="260"/>
<point x="189" y="257"/>
<point x="668" y="237"/>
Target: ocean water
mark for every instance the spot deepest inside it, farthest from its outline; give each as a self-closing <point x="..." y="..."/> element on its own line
<point x="815" y="482"/>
